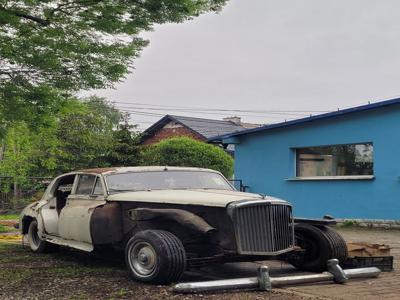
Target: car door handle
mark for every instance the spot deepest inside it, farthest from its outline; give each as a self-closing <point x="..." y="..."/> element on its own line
<point x="52" y="207"/>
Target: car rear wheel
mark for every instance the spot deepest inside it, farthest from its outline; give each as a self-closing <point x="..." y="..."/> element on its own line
<point x="155" y="256"/>
<point x="319" y="244"/>
<point x="35" y="242"/>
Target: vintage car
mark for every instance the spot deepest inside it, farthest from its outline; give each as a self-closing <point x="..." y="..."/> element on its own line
<point x="169" y="219"/>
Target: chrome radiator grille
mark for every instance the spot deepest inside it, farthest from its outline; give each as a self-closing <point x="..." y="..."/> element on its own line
<point x="263" y="228"/>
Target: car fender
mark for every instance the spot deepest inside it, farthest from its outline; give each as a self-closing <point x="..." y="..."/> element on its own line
<point x="29" y="213"/>
<point x="185" y="218"/>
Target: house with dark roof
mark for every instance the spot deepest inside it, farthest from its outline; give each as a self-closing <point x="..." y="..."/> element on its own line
<point x="344" y="163"/>
<point x="196" y="128"/>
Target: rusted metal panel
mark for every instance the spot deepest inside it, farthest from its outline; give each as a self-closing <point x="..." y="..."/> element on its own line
<point x="106" y="224"/>
<point x="218" y="241"/>
<point x="74" y="221"/>
<point x="186" y="219"/>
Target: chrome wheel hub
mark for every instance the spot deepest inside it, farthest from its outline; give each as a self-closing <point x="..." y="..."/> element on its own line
<point x="142" y="259"/>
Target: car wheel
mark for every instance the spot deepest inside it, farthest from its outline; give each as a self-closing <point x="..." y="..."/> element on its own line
<point x="337" y="243"/>
<point x="320" y="244"/>
<point x="155" y="256"/>
<point x="35" y="242"/>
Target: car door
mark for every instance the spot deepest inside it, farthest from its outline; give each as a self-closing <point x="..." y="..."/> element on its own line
<point x="55" y="197"/>
<point x="74" y="220"/>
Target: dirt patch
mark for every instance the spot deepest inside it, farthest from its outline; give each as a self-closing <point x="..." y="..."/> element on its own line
<point x="69" y="274"/>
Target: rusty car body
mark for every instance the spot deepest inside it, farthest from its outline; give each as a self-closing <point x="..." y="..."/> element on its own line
<point x="168" y="219"/>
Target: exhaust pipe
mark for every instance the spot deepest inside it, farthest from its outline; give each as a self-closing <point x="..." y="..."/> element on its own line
<point x="264" y="282"/>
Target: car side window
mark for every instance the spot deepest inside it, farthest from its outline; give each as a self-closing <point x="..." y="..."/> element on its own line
<point x="85" y="184"/>
<point x="98" y="187"/>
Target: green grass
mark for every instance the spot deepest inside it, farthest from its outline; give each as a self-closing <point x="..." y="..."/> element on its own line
<point x="121" y="293"/>
<point x="9" y="217"/>
<point x="6" y="229"/>
<point x="8" y="252"/>
<point x="14" y="275"/>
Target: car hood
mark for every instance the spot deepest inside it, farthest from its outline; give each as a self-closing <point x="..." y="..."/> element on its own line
<point x="217" y="198"/>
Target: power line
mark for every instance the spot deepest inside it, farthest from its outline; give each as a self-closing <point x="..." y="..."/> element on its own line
<point x="213" y="113"/>
<point x="154" y="110"/>
<point x="158" y="115"/>
<point x="158" y="106"/>
<point x="199" y="120"/>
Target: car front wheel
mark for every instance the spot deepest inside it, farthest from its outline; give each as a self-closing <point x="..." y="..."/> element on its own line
<point x="156" y="256"/>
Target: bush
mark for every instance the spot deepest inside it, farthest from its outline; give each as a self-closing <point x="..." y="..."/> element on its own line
<point x="187" y="152"/>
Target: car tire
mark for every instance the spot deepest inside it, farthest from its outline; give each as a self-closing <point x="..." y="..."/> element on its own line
<point x="320" y="244"/>
<point x="337" y="242"/>
<point x="155" y="256"/>
<point x="36" y="243"/>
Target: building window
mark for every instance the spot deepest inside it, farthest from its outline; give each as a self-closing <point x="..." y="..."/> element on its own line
<point x="335" y="160"/>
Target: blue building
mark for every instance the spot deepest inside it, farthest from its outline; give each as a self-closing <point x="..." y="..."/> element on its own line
<point x="344" y="163"/>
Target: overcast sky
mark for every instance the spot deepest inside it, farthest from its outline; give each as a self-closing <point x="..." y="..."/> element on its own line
<point x="308" y="55"/>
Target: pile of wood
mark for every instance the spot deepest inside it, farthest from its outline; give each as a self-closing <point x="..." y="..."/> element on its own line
<point x="365" y="249"/>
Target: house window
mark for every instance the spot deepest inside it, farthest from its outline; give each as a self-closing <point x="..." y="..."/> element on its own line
<point x="335" y="160"/>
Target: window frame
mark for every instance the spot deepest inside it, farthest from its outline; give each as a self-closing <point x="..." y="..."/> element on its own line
<point x="98" y="178"/>
<point x="91" y="195"/>
<point x="333" y="177"/>
<point x="78" y="178"/>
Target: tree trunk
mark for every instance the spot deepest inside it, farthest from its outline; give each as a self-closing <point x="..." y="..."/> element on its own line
<point x="16" y="190"/>
<point x="2" y="150"/>
<point x="16" y="186"/>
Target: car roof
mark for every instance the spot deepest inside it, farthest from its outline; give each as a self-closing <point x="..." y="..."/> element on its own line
<point x="118" y="170"/>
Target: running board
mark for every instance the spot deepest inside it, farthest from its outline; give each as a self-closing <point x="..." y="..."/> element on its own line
<point x="265" y="283"/>
<point x="69" y="243"/>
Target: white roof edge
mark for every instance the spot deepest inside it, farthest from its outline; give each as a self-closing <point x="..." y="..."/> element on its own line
<point x="157" y="168"/>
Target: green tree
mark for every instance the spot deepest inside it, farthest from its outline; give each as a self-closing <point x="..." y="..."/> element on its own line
<point x="184" y="151"/>
<point x="81" y="44"/>
<point x="84" y="133"/>
<point x="16" y="157"/>
<point x="34" y="105"/>
<point x="124" y="150"/>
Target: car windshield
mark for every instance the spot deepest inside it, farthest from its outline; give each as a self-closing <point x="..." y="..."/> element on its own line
<point x="161" y="180"/>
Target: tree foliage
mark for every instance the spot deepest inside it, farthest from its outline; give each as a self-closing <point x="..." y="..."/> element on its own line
<point x="125" y="150"/>
<point x="81" y="44"/>
<point x="34" y="105"/>
<point x="81" y="134"/>
<point x="51" y="48"/>
<point x="84" y="134"/>
<point x="184" y="151"/>
<point x="16" y="156"/>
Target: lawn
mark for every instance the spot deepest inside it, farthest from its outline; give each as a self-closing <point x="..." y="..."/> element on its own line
<point x="9" y="217"/>
<point x="6" y="229"/>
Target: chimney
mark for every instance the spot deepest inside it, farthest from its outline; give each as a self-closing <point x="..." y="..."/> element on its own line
<point x="235" y="119"/>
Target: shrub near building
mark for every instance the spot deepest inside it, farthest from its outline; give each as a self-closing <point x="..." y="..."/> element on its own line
<point x="187" y="152"/>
